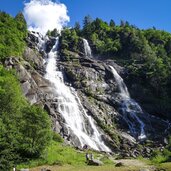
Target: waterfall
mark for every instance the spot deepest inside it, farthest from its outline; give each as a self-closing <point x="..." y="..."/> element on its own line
<point x="70" y="107"/>
<point x="122" y="87"/>
<point x="87" y="48"/>
<point x="41" y="40"/>
<point x="130" y="109"/>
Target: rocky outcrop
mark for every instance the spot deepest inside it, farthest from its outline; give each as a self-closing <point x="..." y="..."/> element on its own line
<point x="32" y="82"/>
<point x="35" y="59"/>
<point x="97" y="90"/>
<point x="94" y="162"/>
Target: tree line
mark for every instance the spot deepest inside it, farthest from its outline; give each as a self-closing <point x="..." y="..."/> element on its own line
<point x="25" y="130"/>
<point x="145" y="53"/>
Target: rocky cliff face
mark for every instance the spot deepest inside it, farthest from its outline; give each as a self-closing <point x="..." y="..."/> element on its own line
<point x="97" y="90"/>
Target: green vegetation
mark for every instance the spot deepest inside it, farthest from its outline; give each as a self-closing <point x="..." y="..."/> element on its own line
<point x="59" y="154"/>
<point x="25" y="130"/>
<point x="165" y="166"/>
<point x="13" y="31"/>
<point x="163" y="156"/>
<point x="145" y="53"/>
<point x="53" y="33"/>
<point x="69" y="41"/>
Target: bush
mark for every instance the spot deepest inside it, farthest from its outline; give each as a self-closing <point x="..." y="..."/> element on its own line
<point x="160" y="157"/>
<point x="35" y="131"/>
<point x="13" y="31"/>
<point x="57" y="137"/>
<point x="25" y="130"/>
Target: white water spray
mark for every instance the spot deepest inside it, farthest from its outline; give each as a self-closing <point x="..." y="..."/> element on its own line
<point x="87" y="48"/>
<point x="130" y="108"/>
<point x="70" y="107"/>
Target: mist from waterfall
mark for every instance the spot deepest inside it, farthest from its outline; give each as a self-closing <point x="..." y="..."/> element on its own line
<point x="70" y="107"/>
<point x="130" y="109"/>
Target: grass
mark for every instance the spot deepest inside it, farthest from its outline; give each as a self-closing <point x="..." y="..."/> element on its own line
<point x="161" y="157"/>
<point x="159" y="161"/>
<point x="166" y="166"/>
<point x="60" y="154"/>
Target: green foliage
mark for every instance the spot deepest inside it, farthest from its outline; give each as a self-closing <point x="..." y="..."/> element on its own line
<point x="87" y="21"/>
<point x="60" y="154"/>
<point x="24" y="129"/>
<point x="11" y="101"/>
<point x="57" y="138"/>
<point x="21" y="24"/>
<point x="13" y="31"/>
<point x="112" y="23"/>
<point x="161" y="157"/>
<point x="53" y="33"/>
<point x="69" y="40"/>
<point x="145" y="53"/>
<point x="35" y="130"/>
<point x="77" y="28"/>
<point x="57" y="154"/>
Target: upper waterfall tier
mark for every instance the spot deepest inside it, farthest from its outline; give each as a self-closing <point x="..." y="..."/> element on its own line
<point x="87" y="48"/>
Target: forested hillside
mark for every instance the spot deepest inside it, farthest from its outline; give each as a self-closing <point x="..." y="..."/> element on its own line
<point x="13" y="31"/>
<point x="146" y="54"/>
<point x="24" y="129"/>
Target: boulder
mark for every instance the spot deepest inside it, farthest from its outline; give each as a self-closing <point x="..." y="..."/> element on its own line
<point x="94" y="162"/>
<point x="34" y="58"/>
<point x="119" y="164"/>
<point x="44" y="169"/>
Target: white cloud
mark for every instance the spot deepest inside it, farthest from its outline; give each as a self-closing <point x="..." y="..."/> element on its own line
<point x="44" y="15"/>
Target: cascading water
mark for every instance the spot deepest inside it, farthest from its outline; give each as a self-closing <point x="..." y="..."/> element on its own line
<point x="70" y="107"/>
<point x="129" y="108"/>
<point x="87" y="48"/>
<point x="41" y="40"/>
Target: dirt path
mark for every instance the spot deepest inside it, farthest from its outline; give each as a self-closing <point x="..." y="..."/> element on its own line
<point x="131" y="162"/>
<point x="127" y="165"/>
<point x="135" y="163"/>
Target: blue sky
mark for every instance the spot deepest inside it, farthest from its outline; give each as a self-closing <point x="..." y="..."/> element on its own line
<point x="142" y="13"/>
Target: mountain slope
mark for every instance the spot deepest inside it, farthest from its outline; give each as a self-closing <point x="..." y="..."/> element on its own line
<point x="141" y="57"/>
